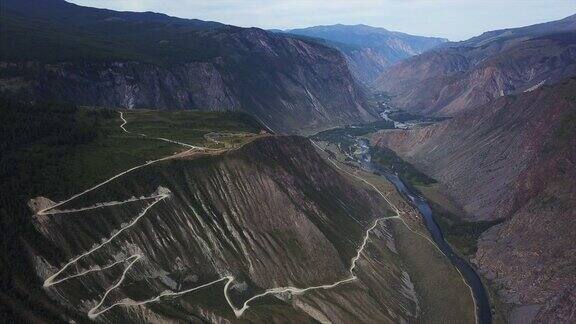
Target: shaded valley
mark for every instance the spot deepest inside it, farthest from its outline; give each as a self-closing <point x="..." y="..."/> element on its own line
<point x="369" y="50"/>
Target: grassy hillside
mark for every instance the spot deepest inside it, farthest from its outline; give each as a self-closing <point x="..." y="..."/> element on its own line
<point x="191" y="127"/>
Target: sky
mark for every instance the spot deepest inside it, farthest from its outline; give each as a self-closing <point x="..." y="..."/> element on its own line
<point x="452" y="19"/>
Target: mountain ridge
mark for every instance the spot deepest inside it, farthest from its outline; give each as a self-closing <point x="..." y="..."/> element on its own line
<point x="511" y="159"/>
<point x="369" y="50"/>
<point x="162" y="62"/>
<point x="457" y="77"/>
<point x="210" y="204"/>
<point x="565" y="24"/>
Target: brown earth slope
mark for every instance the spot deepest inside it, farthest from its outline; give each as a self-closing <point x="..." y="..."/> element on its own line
<point x="514" y="159"/>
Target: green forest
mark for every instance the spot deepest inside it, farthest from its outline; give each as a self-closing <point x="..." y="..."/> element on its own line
<point x="35" y="140"/>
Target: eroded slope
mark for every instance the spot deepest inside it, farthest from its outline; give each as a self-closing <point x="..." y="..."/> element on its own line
<point x="258" y="214"/>
<point x="461" y="76"/>
<point x="512" y="159"/>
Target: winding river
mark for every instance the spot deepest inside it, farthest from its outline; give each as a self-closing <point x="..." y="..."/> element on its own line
<point x="483" y="310"/>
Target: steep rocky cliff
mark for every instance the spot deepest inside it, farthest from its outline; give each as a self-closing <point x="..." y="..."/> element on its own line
<point x="460" y="76"/>
<point x="369" y="50"/>
<point x="59" y="51"/>
<point x="512" y="159"/>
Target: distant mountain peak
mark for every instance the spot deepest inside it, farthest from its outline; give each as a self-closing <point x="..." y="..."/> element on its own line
<point x="369" y="50"/>
<point x="461" y="75"/>
<point x="561" y="25"/>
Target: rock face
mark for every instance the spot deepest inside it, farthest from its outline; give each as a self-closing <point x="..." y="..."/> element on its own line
<point x="271" y="214"/>
<point x="460" y="76"/>
<point x="99" y="57"/>
<point x="514" y="159"/>
<point x="507" y="153"/>
<point x="369" y="50"/>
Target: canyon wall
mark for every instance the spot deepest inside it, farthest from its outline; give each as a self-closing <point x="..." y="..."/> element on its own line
<point x="512" y="159"/>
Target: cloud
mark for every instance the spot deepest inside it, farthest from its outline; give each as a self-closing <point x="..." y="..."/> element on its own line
<point x="454" y="19"/>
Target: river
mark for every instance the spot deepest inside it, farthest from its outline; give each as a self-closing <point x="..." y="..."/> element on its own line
<point x="483" y="310"/>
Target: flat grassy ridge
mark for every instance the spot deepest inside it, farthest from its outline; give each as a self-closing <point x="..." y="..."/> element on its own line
<point x="118" y="151"/>
<point x="191" y="127"/>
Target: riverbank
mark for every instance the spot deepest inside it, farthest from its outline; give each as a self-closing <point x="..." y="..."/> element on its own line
<point x="453" y="234"/>
<point x="446" y="212"/>
<point x="443" y="295"/>
<point x="461" y="235"/>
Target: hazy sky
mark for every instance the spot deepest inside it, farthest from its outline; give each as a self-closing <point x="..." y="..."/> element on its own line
<point x="453" y="19"/>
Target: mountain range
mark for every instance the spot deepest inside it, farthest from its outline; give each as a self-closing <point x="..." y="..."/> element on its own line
<point x="506" y="154"/>
<point x="459" y="76"/>
<point x="153" y="169"/>
<point x="59" y="51"/>
<point x="369" y="50"/>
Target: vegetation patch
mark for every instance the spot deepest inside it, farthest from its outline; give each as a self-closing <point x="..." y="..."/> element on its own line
<point x="335" y="135"/>
<point x="461" y="234"/>
<point x="344" y="137"/>
<point x="35" y="140"/>
<point x="59" y="34"/>
<point x="387" y="159"/>
<point x="402" y="116"/>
